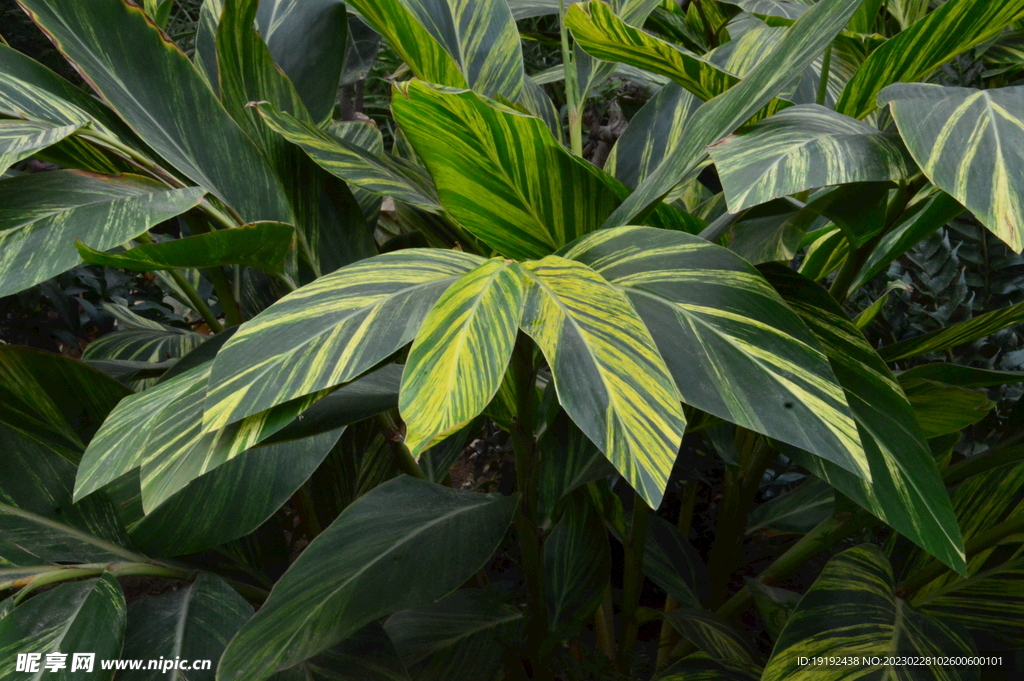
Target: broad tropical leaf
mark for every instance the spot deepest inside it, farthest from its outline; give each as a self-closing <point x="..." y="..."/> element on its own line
<point x="703" y="667"/>
<point x="269" y="474"/>
<point x="42" y="214"/>
<point x="942" y="408"/>
<point x="969" y="143"/>
<point x="193" y="623"/>
<point x="803" y="148"/>
<point x="569" y="460"/>
<point x="712" y="635"/>
<point x="608" y="373"/>
<point x="141" y="339"/>
<point x="803" y="42"/>
<point x="906" y="491"/>
<point x="155" y="89"/>
<point x="771" y="8"/>
<point x="852" y="610"/>
<point x="21" y="139"/>
<point x="962" y="376"/>
<point x="329" y="332"/>
<point x="775" y="605"/>
<point x="671" y="562"/>
<point x="262" y="244"/>
<point x="307" y="40"/>
<point x="955" y="27"/>
<point x="425" y="541"/>
<point x="955" y="335"/>
<point x="460" y="353"/>
<point x="732" y="345"/>
<point x="577" y="562"/>
<point x="795" y="512"/>
<point x="381" y="174"/>
<point x="71" y="618"/>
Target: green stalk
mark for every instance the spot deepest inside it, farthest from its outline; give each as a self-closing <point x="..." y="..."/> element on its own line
<point x="669" y="636"/>
<point x="741" y="484"/>
<point x="524" y="445"/>
<point x="604" y="629"/>
<point x="827" y="533"/>
<point x="632" y="582"/>
<point x="572" y="86"/>
<point x="226" y="296"/>
<point x="404" y="459"/>
<point x="826" y="63"/>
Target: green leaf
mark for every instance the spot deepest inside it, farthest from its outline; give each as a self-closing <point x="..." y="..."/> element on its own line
<point x="568" y="461"/>
<point x="269" y="475"/>
<point x="194" y="623"/>
<point x="515" y="186"/>
<point x="70" y="618"/>
<point x="42" y="214"/>
<point x="852" y="610"/>
<point x="906" y="490"/>
<point x="962" y="376"/>
<point x="775" y="605"/>
<point x="942" y="408"/>
<point x="803" y="42"/>
<point x="955" y="335"/>
<point x="39" y="524"/>
<point x="714" y="636"/>
<point x="54" y="400"/>
<point x="733" y="346"/>
<point x="608" y="373"/>
<point x="262" y="244"/>
<point x="367" y="655"/>
<point x="671" y="562"/>
<point x="21" y="139"/>
<point x="155" y="89"/>
<point x="955" y="27"/>
<point x="795" y="512"/>
<point x="157" y="343"/>
<point x="605" y="36"/>
<point x="467" y="619"/>
<point x="380" y="174"/>
<point x="771" y="8"/>
<point x="577" y="563"/>
<point x="460" y="353"/>
<point x="453" y="42"/>
<point x="703" y="667"/>
<point x="969" y="143"/>
<point x="330" y="331"/>
<point x="308" y="41"/>
<point x="803" y="148"/>
<point x="402" y="545"/>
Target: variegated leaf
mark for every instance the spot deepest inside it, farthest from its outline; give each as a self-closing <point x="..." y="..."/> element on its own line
<point x="942" y="408"/>
<point x="330" y="331"/>
<point x="577" y="562"/>
<point x="955" y="335"/>
<point x="852" y="610"/>
<point x="955" y="27"/>
<point x="712" y="635"/>
<point x="21" y="139"/>
<point x="970" y="144"/>
<point x="733" y="346"/>
<point x="379" y="173"/>
<point x="42" y="214"/>
<point x="802" y="44"/>
<point x="160" y="432"/>
<point x="906" y="490"/>
<point x="703" y="667"/>
<point x="453" y="42"/>
<point x="608" y="373"/>
<point x="801" y="148"/>
<point x="458" y="358"/>
<point x="152" y="85"/>
<point x="69" y="619"/>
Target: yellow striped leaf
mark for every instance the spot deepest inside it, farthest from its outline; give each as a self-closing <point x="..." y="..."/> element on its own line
<point x="458" y="358"/>
<point x="852" y="610"/>
<point x="955" y="335"/>
<point x="330" y="331"/>
<point x="733" y="346"/>
<point x="956" y="26"/>
<point x="378" y="173"/>
<point x="153" y="86"/>
<point x="943" y="408"/>
<point x="21" y="139"/>
<point x="608" y="373"/>
<point x="906" y="490"/>
<point x="802" y="44"/>
<point x="42" y="214"/>
<point x="453" y="42"/>
<point x="801" y="148"/>
<point x="969" y="143"/>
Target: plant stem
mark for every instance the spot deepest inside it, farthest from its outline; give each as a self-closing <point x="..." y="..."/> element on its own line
<point x="632" y="582"/>
<point x="741" y="486"/>
<point x="604" y="629"/>
<point x="102" y="139"/>
<point x="572" y="86"/>
<point x="826" y="63"/>
<point x="404" y="459"/>
<point x="527" y="469"/>
<point x="827" y="533"/>
<point x="984" y="540"/>
<point x="669" y="636"/>
<point x="198" y="304"/>
<point x="226" y="296"/>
